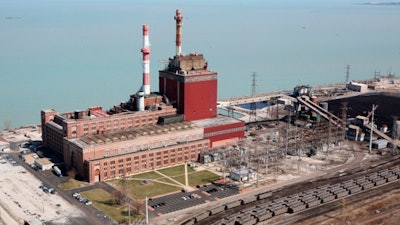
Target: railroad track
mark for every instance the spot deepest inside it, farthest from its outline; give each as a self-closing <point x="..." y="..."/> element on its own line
<point x="306" y="199"/>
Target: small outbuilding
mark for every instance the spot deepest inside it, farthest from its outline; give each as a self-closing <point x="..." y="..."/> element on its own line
<point x="353" y="86"/>
<point x="30" y="158"/>
<point x="379" y="144"/>
<point x="243" y="175"/>
<point x="44" y="164"/>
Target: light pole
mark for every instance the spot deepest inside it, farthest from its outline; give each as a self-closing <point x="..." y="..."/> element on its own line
<point x="147" y="212"/>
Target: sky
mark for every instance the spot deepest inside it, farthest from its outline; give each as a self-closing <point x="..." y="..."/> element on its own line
<point x="70" y="55"/>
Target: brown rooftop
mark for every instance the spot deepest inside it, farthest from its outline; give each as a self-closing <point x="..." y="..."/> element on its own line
<point x="133" y="133"/>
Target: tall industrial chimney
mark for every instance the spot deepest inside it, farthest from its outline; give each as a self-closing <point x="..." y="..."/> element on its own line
<point x="178" y="17"/>
<point x="146" y="60"/>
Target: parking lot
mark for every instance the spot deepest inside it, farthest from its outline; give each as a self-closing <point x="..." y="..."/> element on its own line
<point x="182" y="200"/>
<point x="23" y="196"/>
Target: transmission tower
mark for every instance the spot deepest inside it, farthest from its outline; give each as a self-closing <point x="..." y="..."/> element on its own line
<point x="377" y="75"/>
<point x="347" y="73"/>
<point x="253" y="105"/>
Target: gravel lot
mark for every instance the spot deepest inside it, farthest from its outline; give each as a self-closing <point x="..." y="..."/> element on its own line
<point x="22" y="199"/>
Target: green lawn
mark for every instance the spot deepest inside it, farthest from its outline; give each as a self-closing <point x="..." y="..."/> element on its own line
<point x="147" y="175"/>
<point x="175" y="171"/>
<point x="72" y="184"/>
<point x="138" y="189"/>
<point x="105" y="202"/>
<point x="195" y="177"/>
<point x="202" y="177"/>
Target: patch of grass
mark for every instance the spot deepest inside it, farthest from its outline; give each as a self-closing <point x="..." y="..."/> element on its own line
<point x="105" y="202"/>
<point x="177" y="173"/>
<point x="147" y="175"/>
<point x="72" y="184"/>
<point x="139" y="190"/>
<point x="198" y="177"/>
<point x="174" y="171"/>
<point x="202" y="177"/>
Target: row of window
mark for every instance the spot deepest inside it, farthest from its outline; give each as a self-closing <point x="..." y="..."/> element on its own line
<point x="152" y="145"/>
<point x="142" y="167"/>
<point x="136" y="164"/>
<point x="54" y="140"/>
<point x="117" y="124"/>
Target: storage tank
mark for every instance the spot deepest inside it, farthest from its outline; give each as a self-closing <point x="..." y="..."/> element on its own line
<point x="140" y="101"/>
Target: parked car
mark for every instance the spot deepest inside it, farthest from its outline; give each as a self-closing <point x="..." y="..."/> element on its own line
<point x="88" y="203"/>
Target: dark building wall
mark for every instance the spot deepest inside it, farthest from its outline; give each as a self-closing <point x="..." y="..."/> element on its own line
<point x="200" y="100"/>
<point x="169" y="88"/>
<point x="195" y="96"/>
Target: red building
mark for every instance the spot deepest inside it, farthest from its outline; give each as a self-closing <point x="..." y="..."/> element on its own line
<point x="146" y="132"/>
<point x="222" y="130"/>
<point x="101" y="157"/>
<point x="190" y="87"/>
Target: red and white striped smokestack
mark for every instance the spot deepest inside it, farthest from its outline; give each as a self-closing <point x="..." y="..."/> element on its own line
<point x="146" y="60"/>
<point x="178" y="17"/>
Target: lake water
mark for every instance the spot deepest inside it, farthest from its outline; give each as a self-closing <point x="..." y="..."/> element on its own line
<point x="71" y="55"/>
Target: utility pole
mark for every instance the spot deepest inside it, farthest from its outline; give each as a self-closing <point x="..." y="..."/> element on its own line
<point x="266" y="160"/>
<point x="394" y="134"/>
<point x="344" y="120"/>
<point x="129" y="214"/>
<point x="147" y="212"/>
<point x="372" y="127"/>
<point x="287" y="132"/>
<point x="186" y="174"/>
<point x="258" y="163"/>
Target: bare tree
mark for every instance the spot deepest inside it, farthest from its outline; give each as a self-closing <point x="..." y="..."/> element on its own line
<point x="71" y="173"/>
<point x="137" y="206"/>
<point x="118" y="197"/>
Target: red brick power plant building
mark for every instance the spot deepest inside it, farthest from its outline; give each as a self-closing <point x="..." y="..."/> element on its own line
<point x="152" y="129"/>
<point x="188" y="83"/>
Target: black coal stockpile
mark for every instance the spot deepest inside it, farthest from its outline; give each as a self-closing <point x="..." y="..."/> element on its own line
<point x="388" y="106"/>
